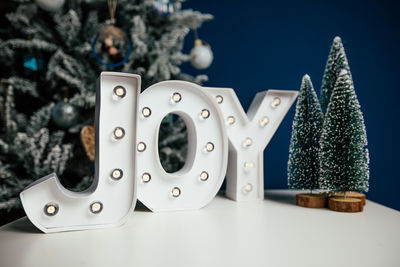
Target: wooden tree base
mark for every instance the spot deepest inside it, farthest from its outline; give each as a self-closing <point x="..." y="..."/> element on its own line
<point x="348" y="204"/>
<point x="311" y="200"/>
<point x="352" y="194"/>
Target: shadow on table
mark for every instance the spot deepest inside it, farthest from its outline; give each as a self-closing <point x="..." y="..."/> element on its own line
<point x="141" y="207"/>
<point x="22" y="225"/>
<point x="281" y="197"/>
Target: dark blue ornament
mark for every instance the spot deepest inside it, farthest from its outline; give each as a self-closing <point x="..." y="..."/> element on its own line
<point x="164" y="7"/>
<point x="65" y="115"/>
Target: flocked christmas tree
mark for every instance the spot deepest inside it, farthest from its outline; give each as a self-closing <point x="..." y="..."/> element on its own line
<point x="336" y="62"/>
<point x="50" y="59"/>
<point x="343" y="153"/>
<point x="303" y="164"/>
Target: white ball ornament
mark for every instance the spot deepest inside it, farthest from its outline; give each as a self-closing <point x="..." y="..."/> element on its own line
<point x="50" y="5"/>
<point x="201" y="55"/>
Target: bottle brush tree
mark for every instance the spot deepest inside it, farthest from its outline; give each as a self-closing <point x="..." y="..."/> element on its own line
<point x="303" y="164"/>
<point x="337" y="61"/>
<point x="343" y="153"/>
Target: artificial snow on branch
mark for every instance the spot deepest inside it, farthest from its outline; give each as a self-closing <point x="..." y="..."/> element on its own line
<point x="47" y="61"/>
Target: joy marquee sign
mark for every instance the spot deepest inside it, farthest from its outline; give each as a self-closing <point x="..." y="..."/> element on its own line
<point x="222" y="141"/>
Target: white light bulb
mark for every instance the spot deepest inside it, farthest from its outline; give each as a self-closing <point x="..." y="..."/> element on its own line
<point x="120" y="91"/>
<point x="176" y="97"/>
<point x="204" y="176"/>
<point x="247" y="188"/>
<point x="51" y="209"/>
<point x="230" y="120"/>
<point x="276" y="102"/>
<point x="116" y="174"/>
<point x="209" y="147"/>
<point x="141" y="147"/>
<point x="146" y="177"/>
<point x="119" y="133"/>
<point x="247" y="142"/>
<point x="263" y="121"/>
<point x="205" y="113"/>
<point x="176" y="192"/>
<point x="96" y="207"/>
<point x="219" y="98"/>
<point x="146" y="112"/>
<point x="249" y="165"/>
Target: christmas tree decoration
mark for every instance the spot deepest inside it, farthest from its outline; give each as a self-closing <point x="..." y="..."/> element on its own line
<point x="35" y="144"/>
<point x="249" y="134"/>
<point x="303" y="163"/>
<point x="164" y="7"/>
<point x="199" y="180"/>
<point x="32" y="63"/>
<point x="201" y="55"/>
<point x="50" y="5"/>
<point x="53" y="208"/>
<point x="343" y="153"/>
<point x="88" y="141"/>
<point x="113" y="40"/>
<point x="337" y="61"/>
<point x="65" y="115"/>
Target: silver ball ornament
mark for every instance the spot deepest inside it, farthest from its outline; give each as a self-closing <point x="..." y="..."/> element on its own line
<point x="201" y="55"/>
<point x="65" y="115"/>
<point x="50" y="5"/>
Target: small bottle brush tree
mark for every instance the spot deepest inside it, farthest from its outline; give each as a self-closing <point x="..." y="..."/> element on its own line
<point x="336" y="62"/>
<point x="343" y="153"/>
<point x="303" y="164"/>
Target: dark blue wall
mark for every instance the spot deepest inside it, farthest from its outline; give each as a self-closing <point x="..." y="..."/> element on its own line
<point x="261" y="45"/>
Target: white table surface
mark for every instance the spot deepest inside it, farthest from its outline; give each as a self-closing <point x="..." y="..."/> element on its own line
<point x="273" y="232"/>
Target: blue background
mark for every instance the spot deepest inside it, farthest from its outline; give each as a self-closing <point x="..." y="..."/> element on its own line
<point x="261" y="45"/>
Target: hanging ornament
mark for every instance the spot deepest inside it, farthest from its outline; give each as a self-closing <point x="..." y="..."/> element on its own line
<point x="32" y="63"/>
<point x="88" y="141"/>
<point x="65" y="115"/>
<point x="164" y="7"/>
<point x="50" y="5"/>
<point x="111" y="47"/>
<point x="201" y="55"/>
<point x="112" y="51"/>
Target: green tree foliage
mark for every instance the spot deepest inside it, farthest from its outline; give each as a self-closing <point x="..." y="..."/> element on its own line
<point x="31" y="144"/>
<point x="337" y="61"/>
<point x="303" y="164"/>
<point x="343" y="154"/>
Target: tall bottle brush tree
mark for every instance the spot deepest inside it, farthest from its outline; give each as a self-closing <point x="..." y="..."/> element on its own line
<point x="343" y="152"/>
<point x="337" y="75"/>
<point x="303" y="164"/>
<point x="337" y="61"/>
<point x="47" y="56"/>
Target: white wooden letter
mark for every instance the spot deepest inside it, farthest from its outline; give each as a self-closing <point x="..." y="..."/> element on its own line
<point x="52" y="208"/>
<point x="196" y="184"/>
<point x="248" y="136"/>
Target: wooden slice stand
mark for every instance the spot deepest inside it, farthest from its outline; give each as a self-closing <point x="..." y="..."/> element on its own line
<point x="352" y="194"/>
<point x="311" y="200"/>
<point x="348" y="204"/>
